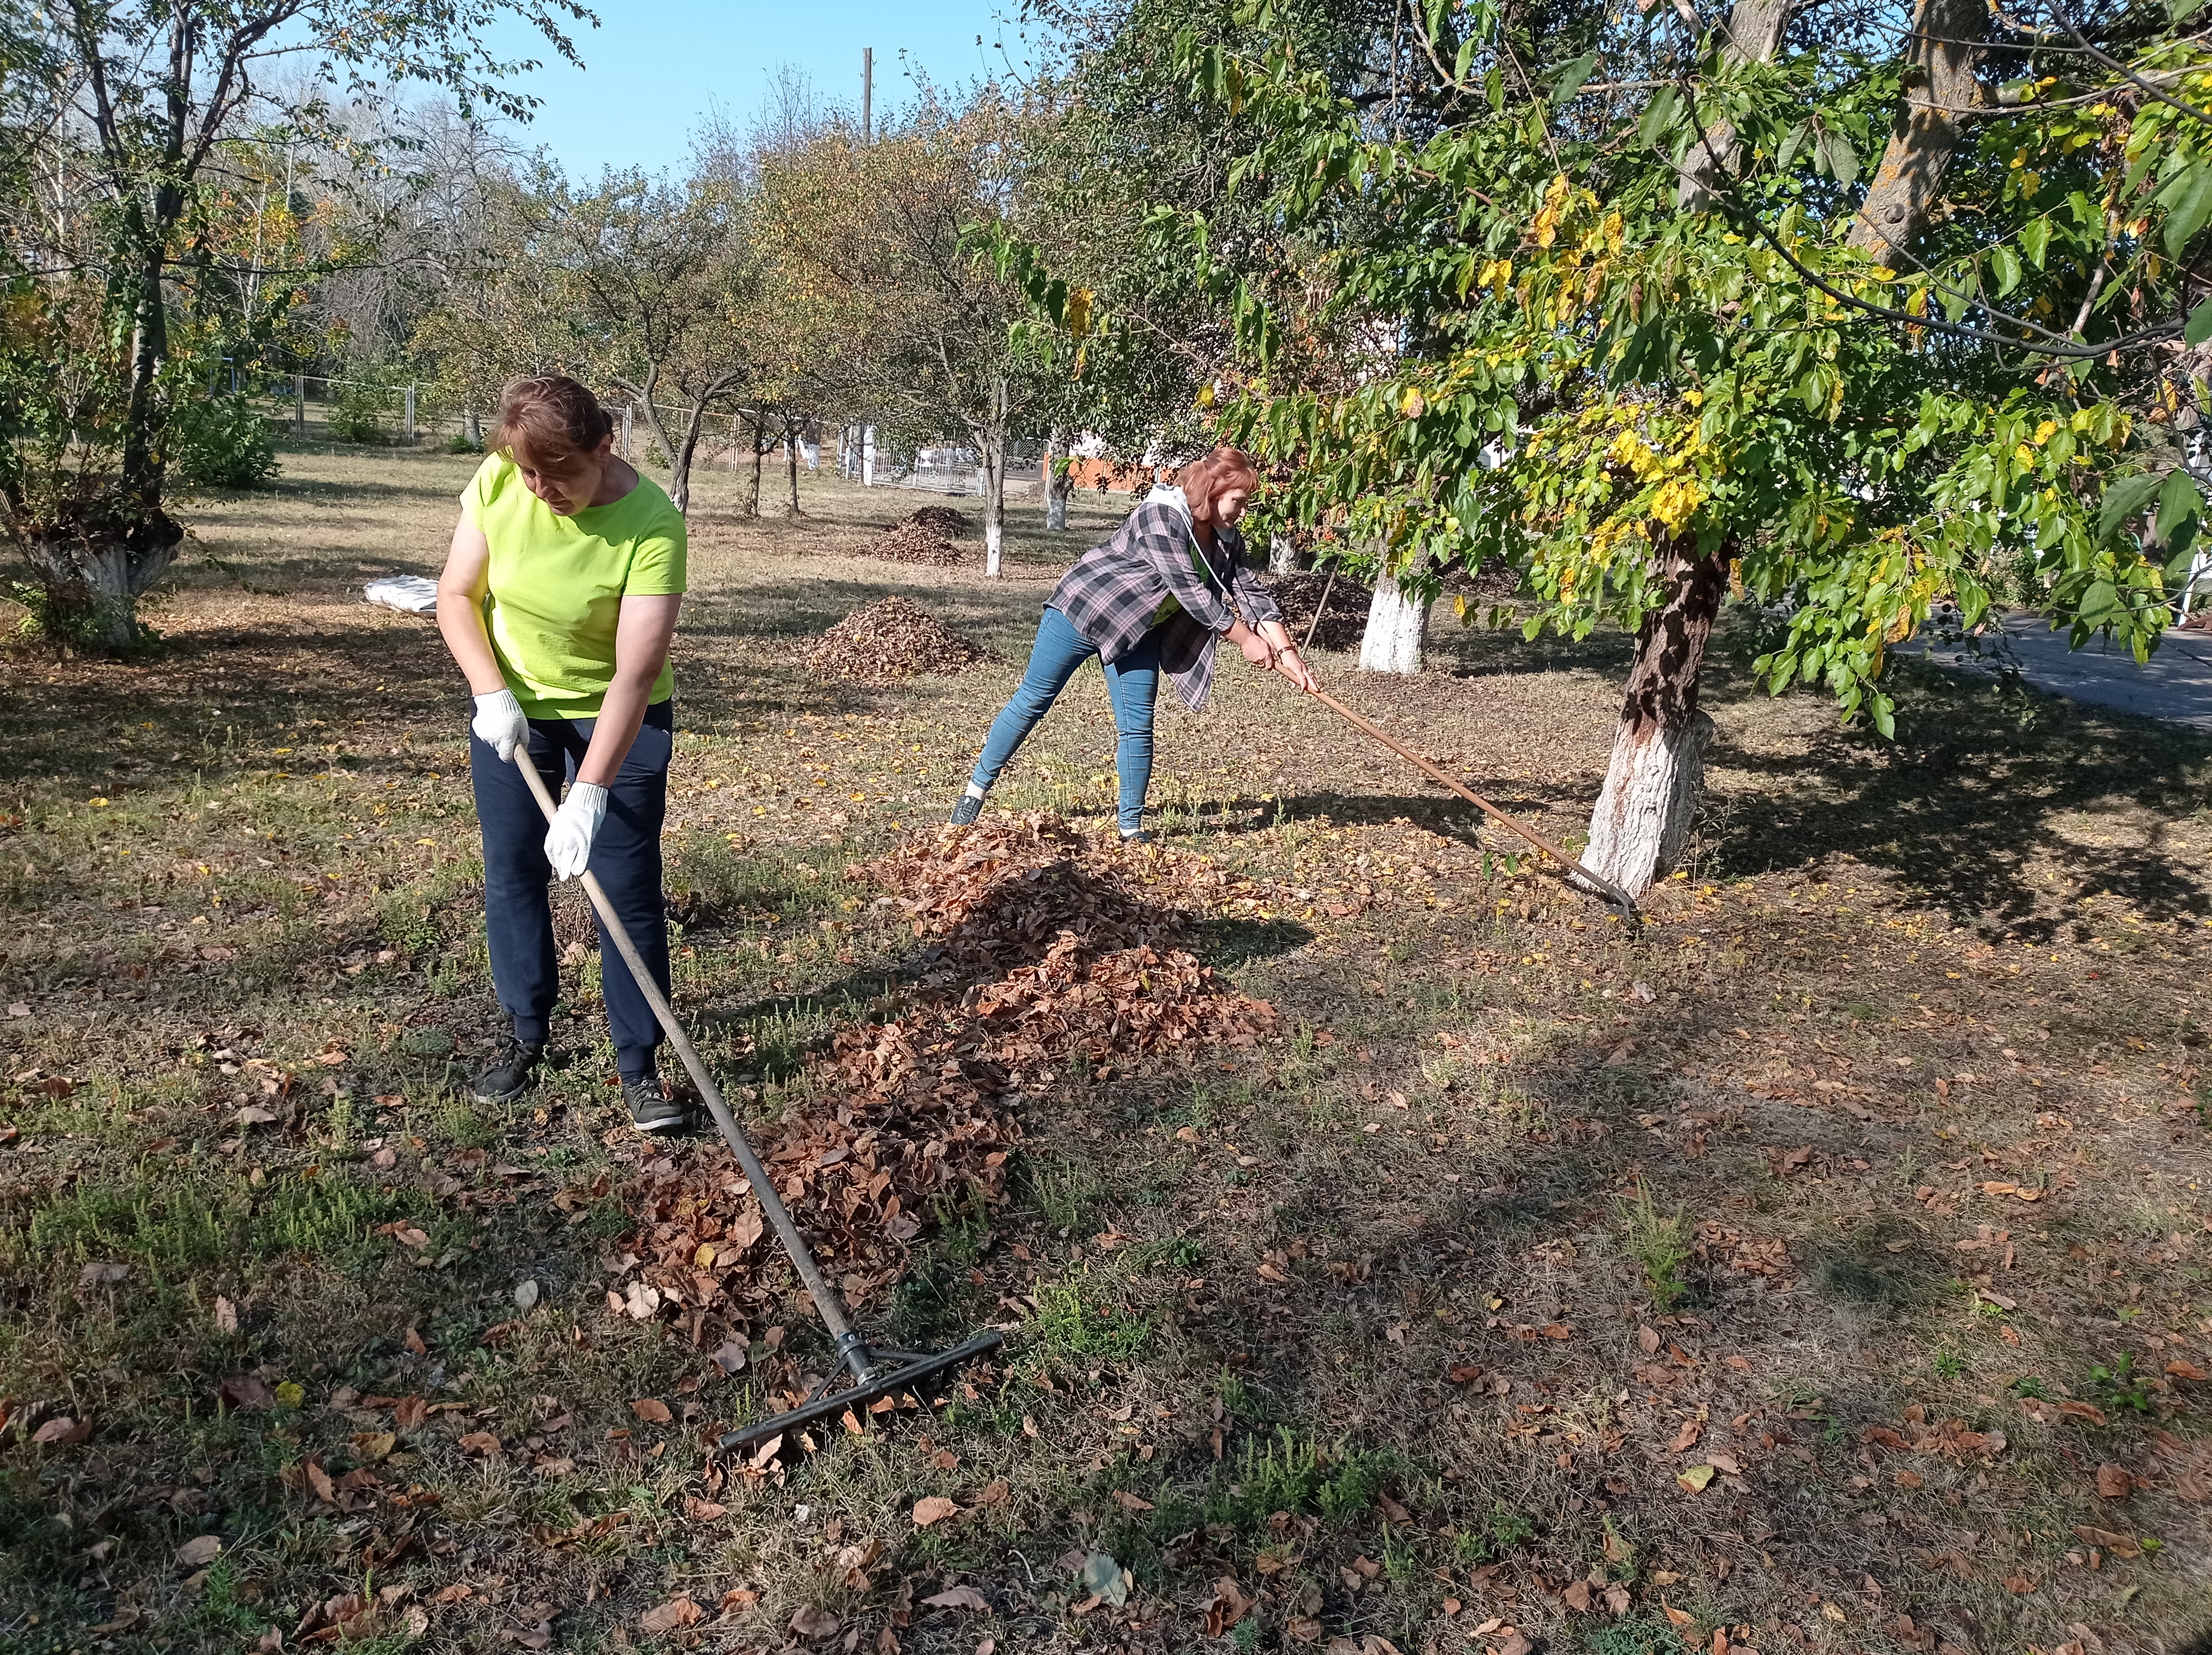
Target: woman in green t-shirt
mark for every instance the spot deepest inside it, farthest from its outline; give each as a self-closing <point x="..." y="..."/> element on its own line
<point x="558" y="600"/>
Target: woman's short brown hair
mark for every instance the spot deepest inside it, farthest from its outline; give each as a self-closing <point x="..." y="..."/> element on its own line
<point x="546" y="420"/>
<point x="1224" y="467"/>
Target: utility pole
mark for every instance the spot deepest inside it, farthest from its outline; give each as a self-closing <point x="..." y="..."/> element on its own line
<point x="867" y="95"/>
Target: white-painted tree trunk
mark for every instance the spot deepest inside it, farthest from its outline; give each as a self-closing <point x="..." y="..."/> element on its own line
<point x="1649" y="801"/>
<point x="1282" y="556"/>
<point x="1644" y="813"/>
<point x="1397" y="625"/>
<point x="991" y="444"/>
<point x="1059" y="483"/>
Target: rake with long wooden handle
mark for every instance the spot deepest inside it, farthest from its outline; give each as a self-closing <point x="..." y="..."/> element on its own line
<point x="875" y="1372"/>
<point x="1603" y="886"/>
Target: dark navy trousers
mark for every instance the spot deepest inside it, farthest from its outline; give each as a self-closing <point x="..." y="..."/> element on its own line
<point x="625" y="857"/>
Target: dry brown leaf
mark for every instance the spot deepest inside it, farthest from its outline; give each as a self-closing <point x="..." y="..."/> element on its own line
<point x="226" y="1315"/>
<point x="959" y="1598"/>
<point x="247" y="1390"/>
<point x="200" y="1551"/>
<point x="1686" y="1438"/>
<point x="652" y="1410"/>
<point x="1576" y="1597"/>
<point x="2114" y="1482"/>
<point x="703" y="1511"/>
<point x="671" y="1616"/>
<point x="933" y="1508"/>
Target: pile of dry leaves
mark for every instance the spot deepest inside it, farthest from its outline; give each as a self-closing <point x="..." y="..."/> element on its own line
<point x="891" y="638"/>
<point x="924" y="536"/>
<point x="1046" y="946"/>
<point x="1342" y="623"/>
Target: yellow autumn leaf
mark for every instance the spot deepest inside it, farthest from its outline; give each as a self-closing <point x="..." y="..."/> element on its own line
<point x="1695" y="1478"/>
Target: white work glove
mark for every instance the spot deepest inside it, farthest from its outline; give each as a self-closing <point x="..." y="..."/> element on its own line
<point x="568" y="841"/>
<point x="500" y="724"/>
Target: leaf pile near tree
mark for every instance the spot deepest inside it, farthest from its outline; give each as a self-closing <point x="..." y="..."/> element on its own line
<point x="1045" y="948"/>
<point x="893" y="638"/>
<point x="923" y="536"/>
<point x="1341" y="623"/>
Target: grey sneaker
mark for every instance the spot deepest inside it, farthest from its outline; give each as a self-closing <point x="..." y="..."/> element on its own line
<point x="507" y="1075"/>
<point x="966" y="809"/>
<point x="651" y="1111"/>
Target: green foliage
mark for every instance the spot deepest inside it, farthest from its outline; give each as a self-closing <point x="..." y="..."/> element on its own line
<point x="1496" y="327"/>
<point x="363" y="405"/>
<point x="1504" y="1530"/>
<point x="1071" y="1322"/>
<point x="222" y="442"/>
<point x="170" y="1223"/>
<point x="1659" y="1242"/>
<point x="2118" y="1388"/>
<point x="1637" y="1636"/>
<point x="1292" y="1471"/>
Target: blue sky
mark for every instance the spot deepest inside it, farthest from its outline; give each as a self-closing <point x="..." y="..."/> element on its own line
<point x="653" y="68"/>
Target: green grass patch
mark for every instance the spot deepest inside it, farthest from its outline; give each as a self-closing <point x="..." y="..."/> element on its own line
<point x="172" y="1223"/>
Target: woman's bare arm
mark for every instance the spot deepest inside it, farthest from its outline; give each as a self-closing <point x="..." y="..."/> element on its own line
<point x="642" y="632"/>
<point x="461" y="588"/>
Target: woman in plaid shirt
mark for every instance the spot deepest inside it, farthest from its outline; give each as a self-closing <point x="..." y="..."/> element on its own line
<point x="1156" y="596"/>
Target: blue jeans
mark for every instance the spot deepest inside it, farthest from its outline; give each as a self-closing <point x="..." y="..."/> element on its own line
<point x="1131" y="685"/>
<point x="625" y="857"/>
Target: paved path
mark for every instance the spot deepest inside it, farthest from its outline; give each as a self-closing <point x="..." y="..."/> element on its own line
<point x="2176" y="684"/>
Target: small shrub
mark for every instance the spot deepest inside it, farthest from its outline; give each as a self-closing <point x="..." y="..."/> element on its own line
<point x="359" y="414"/>
<point x="462" y="443"/>
<point x="221" y="443"/>
<point x="1660" y="1243"/>
<point x="1068" y="1323"/>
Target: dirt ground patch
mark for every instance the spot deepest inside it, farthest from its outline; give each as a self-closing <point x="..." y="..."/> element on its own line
<point x="1388" y="1249"/>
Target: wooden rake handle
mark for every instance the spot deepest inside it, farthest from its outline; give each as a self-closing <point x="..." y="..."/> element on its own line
<point x="827" y="1304"/>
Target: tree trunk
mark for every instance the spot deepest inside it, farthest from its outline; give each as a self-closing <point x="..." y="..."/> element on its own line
<point x="760" y="452"/>
<point x="679" y="464"/>
<point x="995" y="501"/>
<point x="1754" y="34"/>
<point x="1939" y="79"/>
<point x="94" y="566"/>
<point x="1642" y="821"/>
<point x="1282" y="555"/>
<point x="1059" y="481"/>
<point x="1397" y="624"/>
<point x="791" y="466"/>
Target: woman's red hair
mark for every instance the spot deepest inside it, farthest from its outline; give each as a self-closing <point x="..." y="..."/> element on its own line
<point x="1222" y="467"/>
<point x="545" y="420"/>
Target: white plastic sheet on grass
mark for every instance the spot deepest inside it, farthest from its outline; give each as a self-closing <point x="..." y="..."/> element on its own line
<point x="410" y="594"/>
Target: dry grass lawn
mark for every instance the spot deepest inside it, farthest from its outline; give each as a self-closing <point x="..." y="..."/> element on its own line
<point x="1824" y="1270"/>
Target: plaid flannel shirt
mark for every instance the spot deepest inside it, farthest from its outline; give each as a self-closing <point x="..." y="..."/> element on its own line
<point x="1115" y="590"/>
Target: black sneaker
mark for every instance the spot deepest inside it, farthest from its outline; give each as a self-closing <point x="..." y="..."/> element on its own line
<point x="966" y="809"/>
<point x="1141" y="837"/>
<point x="507" y="1076"/>
<point x="651" y="1111"/>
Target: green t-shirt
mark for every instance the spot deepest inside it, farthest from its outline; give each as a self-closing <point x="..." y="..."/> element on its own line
<point x="556" y="585"/>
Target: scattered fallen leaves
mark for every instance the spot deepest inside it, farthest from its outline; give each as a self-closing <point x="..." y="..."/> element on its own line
<point x="1226" y="1608"/>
